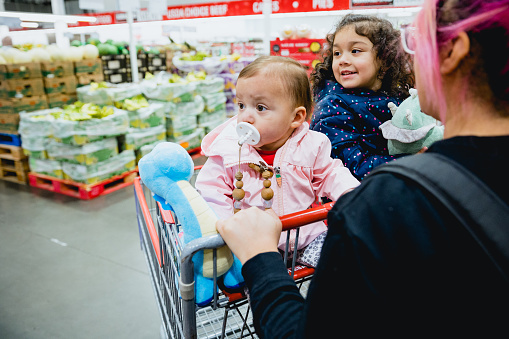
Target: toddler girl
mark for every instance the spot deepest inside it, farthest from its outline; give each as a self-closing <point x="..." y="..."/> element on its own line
<point x="364" y="69"/>
<point x="273" y="94"/>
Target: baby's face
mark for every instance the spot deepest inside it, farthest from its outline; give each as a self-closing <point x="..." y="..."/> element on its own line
<point x="354" y="62"/>
<point x="263" y="103"/>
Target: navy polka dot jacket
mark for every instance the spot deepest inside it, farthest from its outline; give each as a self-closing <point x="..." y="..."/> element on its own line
<point x="350" y="118"/>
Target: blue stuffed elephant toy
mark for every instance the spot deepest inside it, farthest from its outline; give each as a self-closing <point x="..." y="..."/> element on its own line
<point x="166" y="171"/>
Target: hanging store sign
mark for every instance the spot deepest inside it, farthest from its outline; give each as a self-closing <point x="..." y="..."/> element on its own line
<point x="371" y="3"/>
<point x="222" y="9"/>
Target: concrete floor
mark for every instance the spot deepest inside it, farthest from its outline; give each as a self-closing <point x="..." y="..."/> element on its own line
<point x="71" y="268"/>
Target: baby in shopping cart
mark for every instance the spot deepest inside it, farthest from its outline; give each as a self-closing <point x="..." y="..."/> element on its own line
<point x="273" y="95"/>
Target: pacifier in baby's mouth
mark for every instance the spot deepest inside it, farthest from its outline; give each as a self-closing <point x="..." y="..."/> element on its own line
<point x="247" y="134"/>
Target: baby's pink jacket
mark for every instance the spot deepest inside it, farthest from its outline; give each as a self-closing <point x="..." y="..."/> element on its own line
<point x="306" y="168"/>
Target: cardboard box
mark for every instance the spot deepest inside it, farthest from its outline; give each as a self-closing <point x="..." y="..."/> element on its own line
<point x="65" y="85"/>
<point x="86" y="79"/>
<point x="3" y="90"/>
<point x="31" y="70"/>
<point x="88" y="66"/>
<point x="30" y="104"/>
<point x="114" y="62"/>
<point x="59" y="100"/>
<point x="9" y="122"/>
<point x="6" y="107"/>
<point x="19" y="88"/>
<point x="3" y="70"/>
<point x="57" y="69"/>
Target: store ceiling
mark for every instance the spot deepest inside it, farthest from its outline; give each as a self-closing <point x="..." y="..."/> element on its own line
<point x="72" y="6"/>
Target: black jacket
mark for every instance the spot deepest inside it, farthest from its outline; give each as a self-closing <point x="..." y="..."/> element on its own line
<point x="394" y="263"/>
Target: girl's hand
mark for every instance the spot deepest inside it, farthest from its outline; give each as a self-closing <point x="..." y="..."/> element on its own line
<point x="251" y="232"/>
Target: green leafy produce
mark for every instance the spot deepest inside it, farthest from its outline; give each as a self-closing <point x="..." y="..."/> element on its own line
<point x="98" y="85"/>
<point x="153" y="50"/>
<point x="133" y="103"/>
<point x="176" y="79"/>
<point x="80" y="111"/>
<point x="199" y="56"/>
<point x="93" y="41"/>
<point x="76" y="43"/>
<point x="196" y="76"/>
<point x="107" y="49"/>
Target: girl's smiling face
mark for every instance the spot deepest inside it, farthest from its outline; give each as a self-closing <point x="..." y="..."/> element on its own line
<point x="354" y="62"/>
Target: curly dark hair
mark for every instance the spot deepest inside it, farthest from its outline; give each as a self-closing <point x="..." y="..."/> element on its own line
<point x="396" y="72"/>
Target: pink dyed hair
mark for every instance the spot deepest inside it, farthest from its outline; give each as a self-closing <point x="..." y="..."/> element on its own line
<point x="478" y="15"/>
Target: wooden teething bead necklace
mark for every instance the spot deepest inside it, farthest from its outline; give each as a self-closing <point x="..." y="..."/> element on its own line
<point x="238" y="193"/>
<point x="267" y="192"/>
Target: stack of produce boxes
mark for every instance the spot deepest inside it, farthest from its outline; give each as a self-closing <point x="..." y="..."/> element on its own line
<point x="78" y="143"/>
<point x="88" y="71"/>
<point x="116" y="68"/>
<point x="214" y="114"/>
<point x="21" y="89"/>
<point x="230" y="74"/>
<point x="181" y="106"/>
<point x="146" y="119"/>
<point x="142" y="66"/>
<point x="156" y="62"/>
<point x="59" y="82"/>
<point x="147" y="124"/>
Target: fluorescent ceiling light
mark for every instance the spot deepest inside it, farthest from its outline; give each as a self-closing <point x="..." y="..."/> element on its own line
<point x="29" y="24"/>
<point x="42" y="17"/>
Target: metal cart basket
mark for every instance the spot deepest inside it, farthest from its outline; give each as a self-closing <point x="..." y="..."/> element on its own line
<point x="170" y="268"/>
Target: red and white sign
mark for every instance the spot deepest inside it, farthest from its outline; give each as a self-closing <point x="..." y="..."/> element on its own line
<point x="223" y="9"/>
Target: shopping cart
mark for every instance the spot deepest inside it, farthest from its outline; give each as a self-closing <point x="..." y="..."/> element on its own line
<point x="171" y="271"/>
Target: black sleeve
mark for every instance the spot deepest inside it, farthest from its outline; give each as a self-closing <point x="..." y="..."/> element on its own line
<point x="379" y="250"/>
<point x="275" y="299"/>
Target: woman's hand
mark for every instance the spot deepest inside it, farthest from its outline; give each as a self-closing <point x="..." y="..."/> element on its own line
<point x="251" y="232"/>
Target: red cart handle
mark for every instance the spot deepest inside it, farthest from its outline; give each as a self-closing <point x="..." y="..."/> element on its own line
<point x="289" y="221"/>
<point x="301" y="218"/>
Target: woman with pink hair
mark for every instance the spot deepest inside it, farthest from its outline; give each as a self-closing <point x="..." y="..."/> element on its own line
<point x="397" y="261"/>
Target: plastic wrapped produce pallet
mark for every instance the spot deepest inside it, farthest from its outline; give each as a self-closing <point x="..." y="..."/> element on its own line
<point x="87" y="154"/>
<point x="52" y="168"/>
<point x="80" y="190"/>
<point x="121" y="163"/>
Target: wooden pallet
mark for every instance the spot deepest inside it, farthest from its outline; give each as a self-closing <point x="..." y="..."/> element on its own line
<point x="14" y="170"/>
<point x="80" y="190"/>
<point x="11" y="152"/>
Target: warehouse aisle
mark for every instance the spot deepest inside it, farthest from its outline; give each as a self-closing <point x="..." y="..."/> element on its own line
<point x="71" y="268"/>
